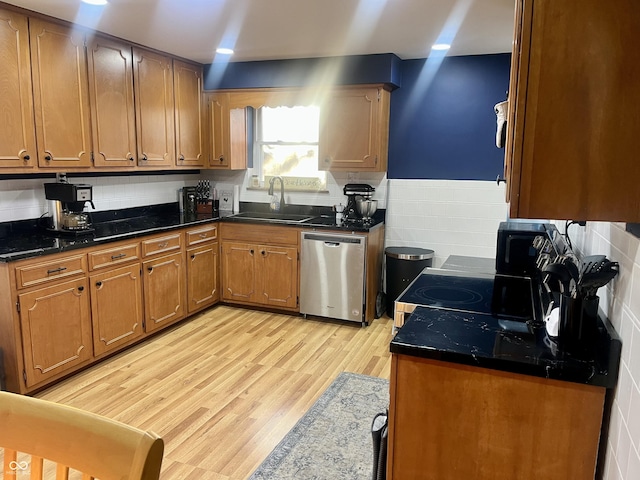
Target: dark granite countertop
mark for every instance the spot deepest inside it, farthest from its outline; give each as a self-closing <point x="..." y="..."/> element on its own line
<point x="319" y="217"/>
<point x="486" y="341"/>
<point x="30" y="238"/>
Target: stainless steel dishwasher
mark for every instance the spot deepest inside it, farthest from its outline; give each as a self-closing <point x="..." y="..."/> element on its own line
<point x="332" y="275"/>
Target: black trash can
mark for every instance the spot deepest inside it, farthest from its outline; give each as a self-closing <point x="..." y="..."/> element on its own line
<point x="403" y="266"/>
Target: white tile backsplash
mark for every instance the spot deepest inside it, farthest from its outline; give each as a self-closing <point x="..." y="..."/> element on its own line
<point x="620" y="300"/>
<point x="447" y="216"/>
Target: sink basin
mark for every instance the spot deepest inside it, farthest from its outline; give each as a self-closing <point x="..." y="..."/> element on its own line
<point x="273" y="217"/>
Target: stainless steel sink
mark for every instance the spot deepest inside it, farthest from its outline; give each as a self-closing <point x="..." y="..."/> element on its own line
<point x="273" y="217"/>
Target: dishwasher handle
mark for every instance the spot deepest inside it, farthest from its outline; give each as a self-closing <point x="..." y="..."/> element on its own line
<point x="333" y="239"/>
<point x="332" y="244"/>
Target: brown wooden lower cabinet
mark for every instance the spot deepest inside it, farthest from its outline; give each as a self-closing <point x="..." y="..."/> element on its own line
<point x="116" y="308"/>
<point x="164" y="291"/>
<point x="202" y="277"/>
<point x="455" y="422"/>
<point x="56" y="329"/>
<point x="260" y="274"/>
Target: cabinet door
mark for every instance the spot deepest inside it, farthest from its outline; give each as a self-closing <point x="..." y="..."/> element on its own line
<point x="56" y="329"/>
<point x="278" y="276"/>
<point x="575" y="131"/>
<point x="116" y="307"/>
<point x="153" y="83"/>
<point x="227" y="133"/>
<point x="112" y="109"/>
<point x="219" y="130"/>
<point x="354" y="130"/>
<point x="164" y="291"/>
<point x="61" y="95"/>
<point x="189" y="114"/>
<point x="17" y="135"/>
<point x="202" y="277"/>
<point x="239" y="272"/>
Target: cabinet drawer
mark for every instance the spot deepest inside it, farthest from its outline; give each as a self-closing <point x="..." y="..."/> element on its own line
<point x="201" y="235"/>
<point x="114" y="256"/>
<point x="161" y="244"/>
<point x="44" y="272"/>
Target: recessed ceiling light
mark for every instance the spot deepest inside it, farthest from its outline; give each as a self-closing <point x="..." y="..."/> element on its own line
<point x="95" y="2"/>
<point x="224" y="51"/>
<point x="441" y="46"/>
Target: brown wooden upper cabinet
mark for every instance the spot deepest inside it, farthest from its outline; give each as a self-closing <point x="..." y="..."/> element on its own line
<point x="112" y="105"/>
<point x="227" y="133"/>
<point x="17" y="135"/>
<point x="354" y="129"/>
<point x="61" y="95"/>
<point x="189" y="114"/>
<point x="153" y="74"/>
<point x="574" y="113"/>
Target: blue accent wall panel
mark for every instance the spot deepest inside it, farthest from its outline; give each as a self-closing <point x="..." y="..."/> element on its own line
<point x="356" y="69"/>
<point x="442" y="123"/>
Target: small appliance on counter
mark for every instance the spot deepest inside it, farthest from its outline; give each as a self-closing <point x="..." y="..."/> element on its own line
<point x="360" y="206"/>
<point x="66" y="205"/>
<point x="188" y="200"/>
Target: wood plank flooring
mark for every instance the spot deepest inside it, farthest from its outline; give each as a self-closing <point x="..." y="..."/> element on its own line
<point x="224" y="387"/>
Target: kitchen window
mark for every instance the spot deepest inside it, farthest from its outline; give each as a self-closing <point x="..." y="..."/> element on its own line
<point x="286" y="145"/>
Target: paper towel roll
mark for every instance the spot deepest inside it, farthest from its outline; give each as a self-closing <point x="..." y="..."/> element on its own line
<point x="236" y="199"/>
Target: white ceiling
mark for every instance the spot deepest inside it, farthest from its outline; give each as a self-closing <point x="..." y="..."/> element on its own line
<point x="281" y="29"/>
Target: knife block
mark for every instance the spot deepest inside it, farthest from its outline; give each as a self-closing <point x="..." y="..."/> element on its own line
<point x="204" y="206"/>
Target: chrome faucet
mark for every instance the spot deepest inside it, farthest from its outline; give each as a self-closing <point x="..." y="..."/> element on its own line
<point x="275" y="206"/>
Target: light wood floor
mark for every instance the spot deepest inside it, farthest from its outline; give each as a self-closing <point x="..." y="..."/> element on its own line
<point x="224" y="387"/>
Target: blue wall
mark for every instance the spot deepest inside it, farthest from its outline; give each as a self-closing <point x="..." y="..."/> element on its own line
<point x="442" y="123"/>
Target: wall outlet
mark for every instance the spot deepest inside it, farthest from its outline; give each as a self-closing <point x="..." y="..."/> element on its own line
<point x="353" y="177"/>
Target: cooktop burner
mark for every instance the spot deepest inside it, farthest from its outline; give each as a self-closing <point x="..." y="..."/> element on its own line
<point x="498" y="295"/>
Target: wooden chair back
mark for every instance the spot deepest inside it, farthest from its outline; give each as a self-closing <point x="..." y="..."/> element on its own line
<point x="42" y="440"/>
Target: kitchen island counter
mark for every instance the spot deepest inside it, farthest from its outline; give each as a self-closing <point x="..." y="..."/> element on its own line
<point x="471" y="400"/>
<point x="487" y="341"/>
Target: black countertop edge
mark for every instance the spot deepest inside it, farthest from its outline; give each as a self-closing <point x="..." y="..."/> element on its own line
<point x="24" y="239"/>
<point x="479" y="341"/>
<point x="30" y="238"/>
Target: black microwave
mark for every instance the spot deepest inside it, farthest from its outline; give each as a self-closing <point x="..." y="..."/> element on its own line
<point x="515" y="253"/>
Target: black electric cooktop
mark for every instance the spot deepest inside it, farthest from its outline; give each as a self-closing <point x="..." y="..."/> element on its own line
<point x="498" y="295"/>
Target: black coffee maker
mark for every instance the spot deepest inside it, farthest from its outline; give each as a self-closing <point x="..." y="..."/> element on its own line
<point x="66" y="205"/>
<point x="352" y="191"/>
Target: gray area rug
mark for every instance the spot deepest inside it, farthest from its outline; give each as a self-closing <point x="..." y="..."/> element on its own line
<point x="332" y="440"/>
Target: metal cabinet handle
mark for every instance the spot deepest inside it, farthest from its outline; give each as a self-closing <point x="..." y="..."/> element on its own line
<point x="98" y="284"/>
<point x="163" y="245"/>
<point x="193" y="257"/>
<point x="26" y="158"/>
<point x="116" y="257"/>
<point x="221" y="158"/>
<point x="251" y="251"/>
<point x="144" y="157"/>
<point x="500" y="180"/>
<point x="47" y="158"/>
<point x="181" y="158"/>
<point x="263" y="253"/>
<point x="131" y="158"/>
<point x="56" y="270"/>
<point x="203" y="235"/>
<point x="150" y="269"/>
<point x="81" y="288"/>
